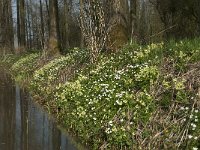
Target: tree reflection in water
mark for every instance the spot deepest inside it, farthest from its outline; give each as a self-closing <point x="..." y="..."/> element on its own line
<point x="23" y="125"/>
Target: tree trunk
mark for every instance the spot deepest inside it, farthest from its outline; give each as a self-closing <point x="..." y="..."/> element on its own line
<point x="81" y="20"/>
<point x="133" y="20"/>
<point x="21" y="31"/>
<point x="42" y="25"/>
<point x="54" y="47"/>
<point x="118" y="24"/>
<point x="6" y="26"/>
<point x="65" y="28"/>
<point x="22" y="19"/>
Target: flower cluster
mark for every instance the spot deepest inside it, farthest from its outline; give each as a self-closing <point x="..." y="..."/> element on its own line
<point x="109" y="99"/>
<point x="57" y="71"/>
<point x="25" y="66"/>
<point x="126" y="98"/>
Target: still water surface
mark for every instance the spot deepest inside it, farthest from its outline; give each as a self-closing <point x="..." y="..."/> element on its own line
<point x="23" y="125"/>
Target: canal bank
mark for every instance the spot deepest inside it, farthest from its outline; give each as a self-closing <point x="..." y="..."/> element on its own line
<point x="123" y="100"/>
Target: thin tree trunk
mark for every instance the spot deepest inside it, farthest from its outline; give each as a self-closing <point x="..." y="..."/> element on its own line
<point x="22" y="25"/>
<point x="42" y="24"/>
<point x="18" y="24"/>
<point x="81" y="20"/>
<point x="66" y="26"/>
<point x="48" y="19"/>
<point x="29" y="24"/>
<point x="11" y="32"/>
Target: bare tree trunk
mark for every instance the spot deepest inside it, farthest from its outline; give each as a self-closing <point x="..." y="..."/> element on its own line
<point x="29" y="35"/>
<point x="118" y="24"/>
<point x="11" y="32"/>
<point x="81" y="21"/>
<point x="6" y="26"/>
<point x="133" y="19"/>
<point x="65" y="41"/>
<point x="48" y="15"/>
<point x="42" y="25"/>
<point x="22" y="24"/>
<point x="18" y="23"/>
<point x="54" y="32"/>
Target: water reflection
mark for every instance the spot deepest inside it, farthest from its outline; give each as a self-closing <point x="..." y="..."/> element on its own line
<point x="23" y="126"/>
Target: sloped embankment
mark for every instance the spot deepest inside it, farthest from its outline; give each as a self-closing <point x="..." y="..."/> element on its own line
<point x="143" y="97"/>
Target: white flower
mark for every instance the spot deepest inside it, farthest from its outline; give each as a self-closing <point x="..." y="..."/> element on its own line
<point x="108" y="130"/>
<point x="110" y="123"/>
<point x="196" y="111"/>
<point x="195" y="137"/>
<point x="191" y="116"/>
<point x="119" y="102"/>
<point x="196" y="120"/>
<point x="182" y="108"/>
<point x="190" y="136"/>
<point x="194" y="148"/>
<point x="186" y="108"/>
<point x="193" y="125"/>
<point x="117" y="77"/>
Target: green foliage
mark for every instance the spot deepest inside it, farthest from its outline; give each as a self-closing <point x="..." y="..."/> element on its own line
<point x="57" y="71"/>
<point x="137" y="97"/>
<point x="25" y="66"/>
<point x="108" y="101"/>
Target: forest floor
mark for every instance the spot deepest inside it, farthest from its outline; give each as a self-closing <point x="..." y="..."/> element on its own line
<point x="141" y="97"/>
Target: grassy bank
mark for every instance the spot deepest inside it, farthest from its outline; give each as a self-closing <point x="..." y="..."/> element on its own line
<point x="142" y="97"/>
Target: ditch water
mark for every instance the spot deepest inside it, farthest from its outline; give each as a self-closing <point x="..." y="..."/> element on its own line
<point x="23" y="125"/>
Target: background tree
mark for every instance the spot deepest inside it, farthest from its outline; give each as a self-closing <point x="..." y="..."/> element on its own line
<point x="93" y="26"/>
<point x="21" y="18"/>
<point x="98" y="25"/>
<point x="64" y="25"/>
<point x="133" y="19"/>
<point x="182" y="15"/>
<point x="6" y="26"/>
<point x="118" y="24"/>
<point x="54" y="45"/>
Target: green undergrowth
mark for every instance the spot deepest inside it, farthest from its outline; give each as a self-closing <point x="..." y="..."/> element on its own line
<point x="142" y="97"/>
<point x="24" y="67"/>
<point x="8" y="60"/>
